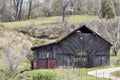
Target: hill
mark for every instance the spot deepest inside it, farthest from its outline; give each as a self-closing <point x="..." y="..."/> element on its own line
<point x="18" y="37"/>
<point x="54" y="19"/>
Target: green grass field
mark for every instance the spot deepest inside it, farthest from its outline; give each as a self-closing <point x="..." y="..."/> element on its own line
<point x="115" y="58"/>
<point x="64" y="74"/>
<point x="43" y="20"/>
<point x="116" y="73"/>
<point x="82" y="74"/>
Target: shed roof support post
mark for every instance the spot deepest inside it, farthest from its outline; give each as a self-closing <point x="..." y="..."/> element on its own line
<point x="54" y="52"/>
<point x="36" y="54"/>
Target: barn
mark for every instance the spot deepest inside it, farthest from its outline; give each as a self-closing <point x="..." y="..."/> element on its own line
<point x="81" y="48"/>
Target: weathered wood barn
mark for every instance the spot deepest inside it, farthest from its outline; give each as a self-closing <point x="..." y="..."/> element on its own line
<point x="81" y="48"/>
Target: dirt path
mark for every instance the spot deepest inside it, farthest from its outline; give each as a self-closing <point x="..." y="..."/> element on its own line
<point x="105" y="73"/>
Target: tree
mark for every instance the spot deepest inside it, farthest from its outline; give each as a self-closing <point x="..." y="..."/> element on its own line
<point x="78" y="4"/>
<point x="5" y="10"/>
<point x="30" y="59"/>
<point x="107" y="9"/>
<point x="64" y="4"/>
<point x="3" y="5"/>
<point x="12" y="59"/>
<point x="55" y="7"/>
<point x="18" y="8"/>
<point x="29" y="56"/>
<point x="116" y="3"/>
<point x="113" y="31"/>
<point x="109" y="25"/>
<point x="30" y="8"/>
<point x="117" y="42"/>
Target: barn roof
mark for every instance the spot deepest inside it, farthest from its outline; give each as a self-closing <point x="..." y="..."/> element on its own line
<point x="83" y="29"/>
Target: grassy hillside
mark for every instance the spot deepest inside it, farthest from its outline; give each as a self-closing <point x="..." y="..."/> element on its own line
<point x="22" y="35"/>
<point x="14" y="47"/>
<point x="71" y="19"/>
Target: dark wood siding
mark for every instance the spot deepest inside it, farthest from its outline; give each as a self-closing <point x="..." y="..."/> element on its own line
<point x="78" y="49"/>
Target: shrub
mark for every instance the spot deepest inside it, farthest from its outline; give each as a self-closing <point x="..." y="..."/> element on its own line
<point x="40" y="75"/>
<point x="108" y="9"/>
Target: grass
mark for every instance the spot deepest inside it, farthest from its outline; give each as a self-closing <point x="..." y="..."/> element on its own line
<point x="116" y="73"/>
<point x="78" y="18"/>
<point x="115" y="58"/>
<point x="54" y="19"/>
<point x="81" y="74"/>
<point x="42" y="74"/>
<point x="84" y="76"/>
<point x="63" y="74"/>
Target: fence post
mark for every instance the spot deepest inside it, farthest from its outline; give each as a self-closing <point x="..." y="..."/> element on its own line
<point x="110" y="76"/>
<point x="96" y="74"/>
<point x="79" y="71"/>
<point x="86" y="73"/>
<point x="103" y="74"/>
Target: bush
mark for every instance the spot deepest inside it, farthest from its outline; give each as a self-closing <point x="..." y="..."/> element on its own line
<point x="40" y="75"/>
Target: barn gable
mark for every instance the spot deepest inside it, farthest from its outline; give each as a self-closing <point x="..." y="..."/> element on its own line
<point x="82" y="29"/>
<point x="78" y="48"/>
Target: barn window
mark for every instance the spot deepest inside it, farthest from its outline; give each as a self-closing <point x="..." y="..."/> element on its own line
<point x="42" y="54"/>
<point x="39" y="54"/>
<point x="51" y="55"/>
<point x="36" y="54"/>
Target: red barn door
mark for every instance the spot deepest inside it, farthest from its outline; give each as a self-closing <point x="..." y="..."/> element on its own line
<point x="46" y="64"/>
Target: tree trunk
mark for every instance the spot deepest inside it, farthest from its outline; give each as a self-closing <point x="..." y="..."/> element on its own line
<point x="78" y="7"/>
<point x="115" y="51"/>
<point x="16" y="8"/>
<point x="78" y="10"/>
<point x="20" y="10"/>
<point x="63" y="16"/>
<point x="64" y="6"/>
<point x="30" y="6"/>
<point x="32" y="64"/>
<point x="3" y="7"/>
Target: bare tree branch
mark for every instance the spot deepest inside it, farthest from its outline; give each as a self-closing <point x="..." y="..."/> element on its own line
<point x="64" y="4"/>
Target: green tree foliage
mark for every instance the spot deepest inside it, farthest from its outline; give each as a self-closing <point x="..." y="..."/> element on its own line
<point x="107" y="9"/>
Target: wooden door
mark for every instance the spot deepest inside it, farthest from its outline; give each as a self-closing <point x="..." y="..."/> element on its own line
<point x="66" y="60"/>
<point x="46" y="64"/>
<point x="81" y="59"/>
